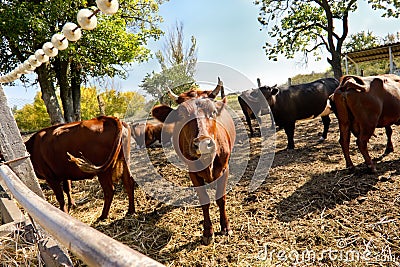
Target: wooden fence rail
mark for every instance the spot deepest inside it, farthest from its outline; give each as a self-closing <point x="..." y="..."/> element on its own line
<point x="91" y="246"/>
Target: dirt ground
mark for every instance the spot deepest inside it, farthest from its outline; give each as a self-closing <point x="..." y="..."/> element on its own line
<point x="309" y="211"/>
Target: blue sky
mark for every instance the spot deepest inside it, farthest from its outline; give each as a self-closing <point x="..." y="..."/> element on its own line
<point x="228" y="33"/>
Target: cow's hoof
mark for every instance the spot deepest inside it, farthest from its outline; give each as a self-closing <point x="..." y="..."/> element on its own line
<point x="101" y="218"/>
<point x="227" y="232"/>
<point x="71" y="207"/>
<point x="321" y="140"/>
<point x="388" y="151"/>
<point x="207" y="240"/>
<point x="350" y="169"/>
<point x="372" y="170"/>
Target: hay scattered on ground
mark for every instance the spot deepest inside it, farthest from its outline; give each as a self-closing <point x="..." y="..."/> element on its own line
<point x="15" y="250"/>
<point x="309" y="210"/>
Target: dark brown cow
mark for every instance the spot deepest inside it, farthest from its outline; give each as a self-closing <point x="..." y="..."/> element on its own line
<point x="145" y="134"/>
<point x="101" y="143"/>
<point x="300" y="102"/>
<point x="204" y="135"/>
<point x="253" y="106"/>
<point x="363" y="104"/>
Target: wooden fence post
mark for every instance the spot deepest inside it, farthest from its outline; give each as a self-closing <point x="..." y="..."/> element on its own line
<point x="12" y="147"/>
<point x="14" y="152"/>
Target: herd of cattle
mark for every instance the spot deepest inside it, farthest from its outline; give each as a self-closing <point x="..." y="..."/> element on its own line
<point x="203" y="134"/>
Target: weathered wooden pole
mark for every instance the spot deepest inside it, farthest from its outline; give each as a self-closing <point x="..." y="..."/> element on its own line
<point x="13" y="149"/>
<point x="14" y="152"/>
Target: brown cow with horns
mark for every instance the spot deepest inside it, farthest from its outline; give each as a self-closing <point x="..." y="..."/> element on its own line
<point x="362" y="104"/>
<point x="204" y="135"/>
<point x="103" y="145"/>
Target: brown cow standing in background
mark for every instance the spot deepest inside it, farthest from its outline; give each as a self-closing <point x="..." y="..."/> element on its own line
<point x="145" y="134"/>
<point x="103" y="144"/>
<point x="204" y="135"/>
<point x="363" y="104"/>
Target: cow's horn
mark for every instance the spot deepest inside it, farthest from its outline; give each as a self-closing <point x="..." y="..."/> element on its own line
<point x="258" y="82"/>
<point x="172" y="95"/>
<point x="215" y="92"/>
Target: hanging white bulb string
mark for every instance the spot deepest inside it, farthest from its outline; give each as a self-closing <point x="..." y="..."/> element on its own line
<point x="72" y="31"/>
<point x="49" y="49"/>
<point x="59" y="41"/>
<point x="34" y="61"/>
<point x="87" y="20"/>
<point x="41" y="56"/>
<point x="108" y="7"/>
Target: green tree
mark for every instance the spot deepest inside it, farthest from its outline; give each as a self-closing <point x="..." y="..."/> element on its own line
<point x="122" y="104"/>
<point x="311" y="27"/>
<point x="89" y="105"/>
<point x="361" y="40"/>
<point x="177" y="65"/>
<point x="116" y="42"/>
<point x="32" y="117"/>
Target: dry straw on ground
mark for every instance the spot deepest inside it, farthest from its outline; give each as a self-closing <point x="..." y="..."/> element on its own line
<point x="309" y="211"/>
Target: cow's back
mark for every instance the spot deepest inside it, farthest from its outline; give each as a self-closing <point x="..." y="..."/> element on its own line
<point x="95" y="140"/>
<point x="378" y="103"/>
<point x="303" y="101"/>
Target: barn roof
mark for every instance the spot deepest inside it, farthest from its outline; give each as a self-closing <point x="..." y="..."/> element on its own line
<point x="379" y="52"/>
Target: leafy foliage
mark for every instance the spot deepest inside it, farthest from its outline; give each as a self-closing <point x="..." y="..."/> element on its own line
<point x="177" y="66"/>
<point x="32" y="117"/>
<point x="310" y="27"/>
<point x="361" y="40"/>
<point x="116" y="42"/>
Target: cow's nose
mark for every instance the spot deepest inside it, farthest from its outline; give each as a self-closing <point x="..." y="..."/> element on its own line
<point x="204" y="145"/>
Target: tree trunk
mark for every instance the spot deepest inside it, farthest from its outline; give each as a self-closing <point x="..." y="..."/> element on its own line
<point x="61" y="68"/>
<point x="49" y="95"/>
<point x="336" y="63"/>
<point x="76" y="81"/>
<point x="102" y="105"/>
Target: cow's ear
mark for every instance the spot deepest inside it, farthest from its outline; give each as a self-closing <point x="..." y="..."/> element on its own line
<point x="221" y="104"/>
<point x="274" y="90"/>
<point x="161" y="112"/>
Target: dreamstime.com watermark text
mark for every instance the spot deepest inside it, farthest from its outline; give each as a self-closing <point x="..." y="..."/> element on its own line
<point x="309" y="256"/>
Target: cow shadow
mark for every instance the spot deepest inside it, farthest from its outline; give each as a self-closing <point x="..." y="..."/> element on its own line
<point x="325" y="191"/>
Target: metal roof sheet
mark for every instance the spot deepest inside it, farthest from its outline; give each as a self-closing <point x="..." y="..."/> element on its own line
<point x="379" y="52"/>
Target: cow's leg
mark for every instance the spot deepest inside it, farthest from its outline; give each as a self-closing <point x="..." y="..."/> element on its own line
<point x="129" y="185"/>
<point x="106" y="183"/>
<point x="272" y="120"/>
<point x="248" y="120"/>
<point x="58" y="191"/>
<point x="67" y="186"/>
<point x="289" y="130"/>
<point x="344" y="141"/>
<point x="205" y="206"/>
<point x="362" y="143"/>
<point x="326" y="120"/>
<point x="221" y="201"/>
<point x="389" y="144"/>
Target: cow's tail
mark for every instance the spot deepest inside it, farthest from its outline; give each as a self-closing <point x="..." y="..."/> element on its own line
<point x="126" y="144"/>
<point x="86" y="166"/>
